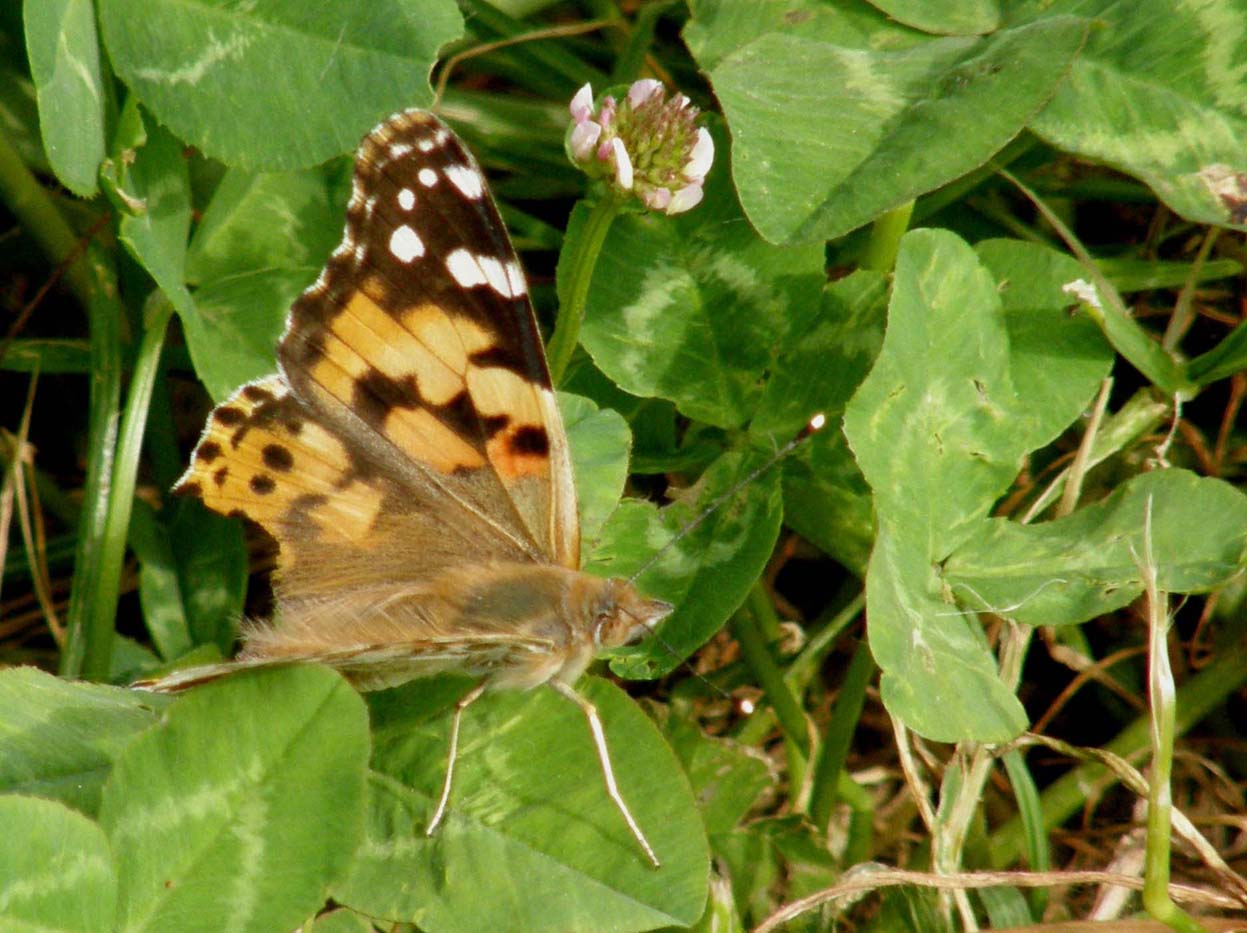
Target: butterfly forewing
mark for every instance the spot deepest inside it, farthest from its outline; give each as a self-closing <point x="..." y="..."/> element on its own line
<point x="419" y="340"/>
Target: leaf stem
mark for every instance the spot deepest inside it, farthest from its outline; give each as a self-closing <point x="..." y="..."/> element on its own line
<point x="747" y="629"/>
<point x="885" y="238"/>
<point x="1161" y="692"/>
<point x="839" y="736"/>
<point x="92" y="279"/>
<point x="580" y="265"/>
<point x="107" y="583"/>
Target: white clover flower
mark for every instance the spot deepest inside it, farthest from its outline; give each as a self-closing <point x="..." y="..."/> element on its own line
<point x="582" y="104"/>
<point x="643" y="90"/>
<point x="584" y="139"/>
<point x="643" y="142"/>
<point x="701" y="158"/>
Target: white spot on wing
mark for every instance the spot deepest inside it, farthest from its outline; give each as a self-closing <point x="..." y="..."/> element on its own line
<point x="406" y="199"/>
<point x="427" y="177"/>
<point x="470" y="271"/>
<point x="398" y="150"/>
<point x="515" y="278"/>
<point x="467" y="180"/>
<point x="426" y="145"/>
<point x="464" y="269"/>
<point x="495" y="275"/>
<point x="405" y="245"/>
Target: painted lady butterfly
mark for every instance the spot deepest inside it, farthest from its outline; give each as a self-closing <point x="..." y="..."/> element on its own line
<point x="410" y="459"/>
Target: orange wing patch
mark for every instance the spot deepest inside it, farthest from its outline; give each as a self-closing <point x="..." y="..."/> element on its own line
<point x="263" y="457"/>
<point x="397" y="380"/>
<point x="425" y="378"/>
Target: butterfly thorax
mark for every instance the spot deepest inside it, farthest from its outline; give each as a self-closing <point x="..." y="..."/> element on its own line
<point x="517" y="625"/>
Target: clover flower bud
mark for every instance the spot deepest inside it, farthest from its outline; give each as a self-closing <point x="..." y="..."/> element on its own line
<point x="642" y="141"/>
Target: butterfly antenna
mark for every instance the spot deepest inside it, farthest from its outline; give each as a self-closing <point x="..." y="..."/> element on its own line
<point x="814" y="425"/>
<point x="553" y="32"/>
<point x="687" y="664"/>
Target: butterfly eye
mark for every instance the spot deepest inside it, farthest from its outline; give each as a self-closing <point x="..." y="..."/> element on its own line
<point x="601" y="619"/>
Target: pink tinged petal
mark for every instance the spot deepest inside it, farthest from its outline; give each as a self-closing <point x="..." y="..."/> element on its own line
<point x="582" y="104"/>
<point x="606" y="115"/>
<point x="657" y="198"/>
<point x="643" y="90"/>
<point x="584" y="138"/>
<point x="685" y="199"/>
<point x="701" y="158"/>
<point x="623" y="164"/>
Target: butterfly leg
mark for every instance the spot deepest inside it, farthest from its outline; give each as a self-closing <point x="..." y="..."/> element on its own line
<point x="608" y="773"/>
<point x="467" y="700"/>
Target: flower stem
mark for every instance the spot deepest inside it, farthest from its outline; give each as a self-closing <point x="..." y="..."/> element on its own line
<point x="885" y="238"/>
<point x="576" y="268"/>
<point x="747" y="626"/>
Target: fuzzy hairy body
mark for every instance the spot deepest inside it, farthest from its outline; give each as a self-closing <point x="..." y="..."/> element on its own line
<point x="516" y="625"/>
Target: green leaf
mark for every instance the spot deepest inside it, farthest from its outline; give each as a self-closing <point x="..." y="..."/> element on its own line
<point x="938" y="675"/>
<point x="820" y="369"/>
<point x="727" y="778"/>
<point x="154" y="178"/>
<point x="1086" y="564"/>
<point x="19" y="104"/>
<point x="59" y="739"/>
<point x="160" y="589"/>
<point x="304" y="83"/>
<point x="1006" y="907"/>
<point x="944" y="17"/>
<point x="56" y="871"/>
<point x="717" y="28"/>
<point x="692" y="308"/>
<point x="529" y="821"/>
<point x="828" y="501"/>
<point x="1225" y="359"/>
<point x="706" y="572"/>
<point x="261" y="221"/>
<point x="913" y="910"/>
<point x="1157" y="92"/>
<point x="340" y="921"/>
<point x="939" y="429"/>
<point x="1140" y="275"/>
<point x="242" y="806"/>
<point x="750" y="860"/>
<point x="233" y="330"/>
<point x="64" y="55"/>
<point x="211" y="560"/>
<point x="1054" y="356"/>
<point x="878" y="127"/>
<point x="600" y="443"/>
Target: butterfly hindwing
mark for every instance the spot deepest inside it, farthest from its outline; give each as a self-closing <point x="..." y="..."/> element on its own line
<point x="418" y="346"/>
<point x="262" y="456"/>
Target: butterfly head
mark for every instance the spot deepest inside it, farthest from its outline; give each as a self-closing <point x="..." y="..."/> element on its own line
<point x="621" y="615"/>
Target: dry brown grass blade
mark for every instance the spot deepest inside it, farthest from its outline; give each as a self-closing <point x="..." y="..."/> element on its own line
<point x="866" y="879"/>
<point x="19" y="488"/>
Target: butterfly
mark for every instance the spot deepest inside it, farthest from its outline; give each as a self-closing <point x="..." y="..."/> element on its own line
<point x="410" y="460"/>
